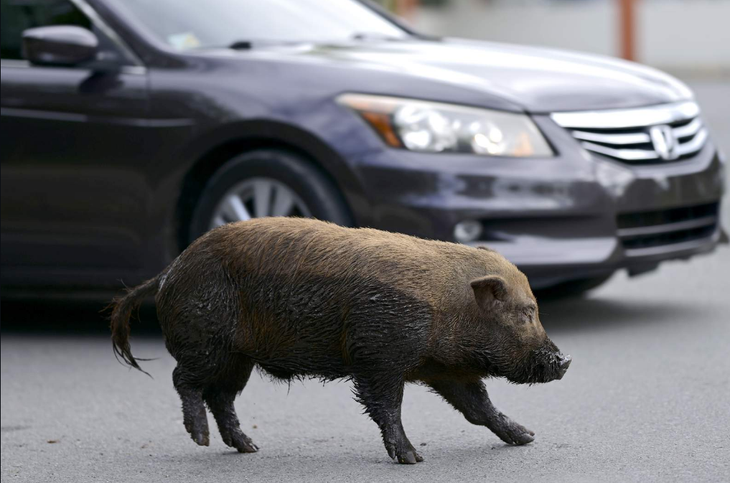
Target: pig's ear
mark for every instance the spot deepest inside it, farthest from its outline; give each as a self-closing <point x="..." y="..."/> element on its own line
<point x="488" y="289"/>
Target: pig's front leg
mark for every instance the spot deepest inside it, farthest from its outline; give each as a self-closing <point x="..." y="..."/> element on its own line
<point x="473" y="401"/>
<point x="382" y="398"/>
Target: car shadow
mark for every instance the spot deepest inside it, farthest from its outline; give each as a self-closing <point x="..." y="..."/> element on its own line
<point x="595" y="313"/>
<point x="59" y="317"/>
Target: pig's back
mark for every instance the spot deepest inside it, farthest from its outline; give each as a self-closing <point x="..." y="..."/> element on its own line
<point x="297" y="247"/>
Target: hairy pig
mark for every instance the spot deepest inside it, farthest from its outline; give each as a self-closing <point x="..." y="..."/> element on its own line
<point x="303" y="298"/>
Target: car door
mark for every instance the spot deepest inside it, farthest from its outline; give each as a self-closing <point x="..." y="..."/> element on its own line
<point x="75" y="144"/>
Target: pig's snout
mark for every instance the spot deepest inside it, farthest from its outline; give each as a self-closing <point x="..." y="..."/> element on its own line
<point x="563" y="364"/>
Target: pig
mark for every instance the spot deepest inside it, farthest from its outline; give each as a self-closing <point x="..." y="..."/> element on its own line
<point x="300" y="298"/>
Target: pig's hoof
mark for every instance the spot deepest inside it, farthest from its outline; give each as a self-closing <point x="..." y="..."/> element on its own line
<point x="246" y="447"/>
<point x="517" y="436"/>
<point x="200" y="439"/>
<point x="524" y="438"/>
<point x="242" y="443"/>
<point x="409" y="458"/>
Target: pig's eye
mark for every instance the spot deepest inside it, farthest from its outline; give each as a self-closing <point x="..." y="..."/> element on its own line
<point x="529" y="313"/>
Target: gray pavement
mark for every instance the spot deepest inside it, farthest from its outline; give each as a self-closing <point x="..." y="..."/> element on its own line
<point x="646" y="399"/>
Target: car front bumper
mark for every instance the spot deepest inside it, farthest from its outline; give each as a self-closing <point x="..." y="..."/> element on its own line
<point x="575" y="215"/>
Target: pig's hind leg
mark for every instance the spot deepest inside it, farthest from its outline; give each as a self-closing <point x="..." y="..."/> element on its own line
<point x="191" y="395"/>
<point x="220" y="397"/>
<point x="473" y="401"/>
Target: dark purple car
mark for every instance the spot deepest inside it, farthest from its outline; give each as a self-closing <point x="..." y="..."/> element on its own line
<point x="130" y="127"/>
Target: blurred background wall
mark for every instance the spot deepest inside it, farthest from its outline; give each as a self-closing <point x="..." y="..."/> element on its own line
<point x="685" y="37"/>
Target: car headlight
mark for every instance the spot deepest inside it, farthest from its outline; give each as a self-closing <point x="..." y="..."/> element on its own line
<point x="437" y="127"/>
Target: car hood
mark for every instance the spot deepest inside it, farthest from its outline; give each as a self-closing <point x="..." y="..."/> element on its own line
<point x="537" y="80"/>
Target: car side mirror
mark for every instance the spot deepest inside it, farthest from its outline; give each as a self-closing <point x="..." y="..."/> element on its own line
<point x="62" y="45"/>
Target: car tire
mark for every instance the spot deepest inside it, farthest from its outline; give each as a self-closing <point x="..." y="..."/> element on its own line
<point x="572" y="288"/>
<point x="313" y="194"/>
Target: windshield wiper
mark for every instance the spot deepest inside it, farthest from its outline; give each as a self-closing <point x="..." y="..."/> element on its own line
<point x="375" y="36"/>
<point x="250" y="44"/>
<point x="364" y="36"/>
<point x="241" y="45"/>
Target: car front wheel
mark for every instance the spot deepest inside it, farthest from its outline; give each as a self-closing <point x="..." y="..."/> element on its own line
<point x="267" y="183"/>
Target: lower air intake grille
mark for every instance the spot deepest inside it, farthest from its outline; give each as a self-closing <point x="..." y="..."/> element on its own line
<point x="651" y="229"/>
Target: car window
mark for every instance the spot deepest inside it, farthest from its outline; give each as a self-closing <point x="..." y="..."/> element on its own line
<point x="19" y="15"/>
<point x="189" y="24"/>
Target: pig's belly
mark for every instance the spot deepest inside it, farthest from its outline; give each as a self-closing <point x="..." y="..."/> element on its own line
<point x="299" y="347"/>
<point x="291" y="333"/>
<point x="307" y="365"/>
<point x="327" y="326"/>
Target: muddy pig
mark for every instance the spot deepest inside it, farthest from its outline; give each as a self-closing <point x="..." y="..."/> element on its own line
<point x="303" y="298"/>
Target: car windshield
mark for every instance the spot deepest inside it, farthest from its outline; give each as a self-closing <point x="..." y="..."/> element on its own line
<point x="194" y="24"/>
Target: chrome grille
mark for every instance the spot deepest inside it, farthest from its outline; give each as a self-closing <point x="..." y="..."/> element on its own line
<point x="656" y="134"/>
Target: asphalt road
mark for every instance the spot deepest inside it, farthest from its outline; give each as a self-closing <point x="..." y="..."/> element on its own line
<point x="646" y="398"/>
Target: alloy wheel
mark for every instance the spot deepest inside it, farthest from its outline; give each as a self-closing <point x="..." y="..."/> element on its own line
<point x="257" y="198"/>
